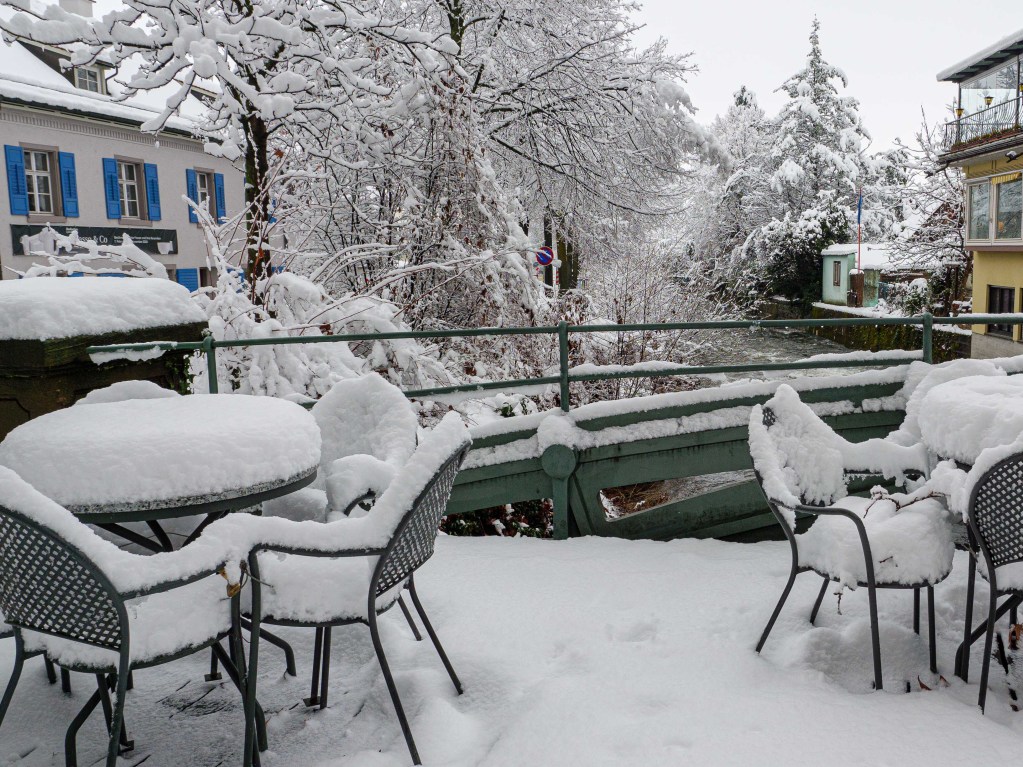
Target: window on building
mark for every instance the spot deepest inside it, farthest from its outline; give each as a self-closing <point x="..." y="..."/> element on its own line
<point x="1009" y="207"/>
<point x="836" y="274"/>
<point x="205" y="185"/>
<point x="88" y="79"/>
<point x="980" y="211"/>
<point x="1000" y="301"/>
<point x="39" y="181"/>
<point x="128" y="185"/>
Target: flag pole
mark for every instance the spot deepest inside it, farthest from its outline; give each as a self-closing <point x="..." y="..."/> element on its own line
<point x="859" y="228"/>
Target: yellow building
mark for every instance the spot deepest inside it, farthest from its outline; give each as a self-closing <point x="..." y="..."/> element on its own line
<point x="986" y="141"/>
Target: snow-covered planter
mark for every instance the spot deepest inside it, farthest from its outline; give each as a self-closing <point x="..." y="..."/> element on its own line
<point x="47" y="323"/>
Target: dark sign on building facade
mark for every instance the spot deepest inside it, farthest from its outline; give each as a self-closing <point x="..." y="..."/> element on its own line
<point x="162" y="242"/>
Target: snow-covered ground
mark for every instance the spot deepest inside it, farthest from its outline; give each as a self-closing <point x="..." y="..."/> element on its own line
<point x="583" y="652"/>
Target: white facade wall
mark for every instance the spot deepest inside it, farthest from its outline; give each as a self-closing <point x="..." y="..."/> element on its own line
<point x="91" y="140"/>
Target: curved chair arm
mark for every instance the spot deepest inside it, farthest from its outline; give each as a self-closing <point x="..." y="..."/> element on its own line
<point x="836" y="511"/>
<point x="168" y="584"/>
<point x="302" y="552"/>
<point x="355" y="478"/>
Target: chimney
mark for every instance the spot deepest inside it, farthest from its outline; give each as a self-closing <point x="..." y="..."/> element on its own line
<point x="80" y="7"/>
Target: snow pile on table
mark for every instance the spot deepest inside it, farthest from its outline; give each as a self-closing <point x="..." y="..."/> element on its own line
<point x="921" y="378"/>
<point x="156" y="451"/>
<point x="47" y="307"/>
<point x="961" y="419"/>
<point x="591" y="651"/>
<point x="123" y="390"/>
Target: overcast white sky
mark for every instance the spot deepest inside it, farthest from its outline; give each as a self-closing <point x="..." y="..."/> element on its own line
<point x="890" y="50"/>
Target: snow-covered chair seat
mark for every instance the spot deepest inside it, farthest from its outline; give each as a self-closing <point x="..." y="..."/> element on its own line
<point x="350" y="570"/>
<point x="91" y="607"/>
<point x="801" y="465"/>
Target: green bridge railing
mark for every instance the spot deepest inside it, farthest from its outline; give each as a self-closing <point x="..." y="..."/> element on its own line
<point x="926" y="323"/>
<point x="673" y="438"/>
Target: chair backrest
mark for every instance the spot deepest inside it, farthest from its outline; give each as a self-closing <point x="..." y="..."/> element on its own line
<point x="796" y="453"/>
<point x="48" y="585"/>
<point x="996" y="511"/>
<point x="365" y="415"/>
<point x="416" y="535"/>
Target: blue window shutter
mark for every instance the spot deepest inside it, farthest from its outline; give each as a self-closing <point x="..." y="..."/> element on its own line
<point x="112" y="274"/>
<point x="15" y="157"/>
<point x="111" y="188"/>
<point x="152" y="191"/>
<point x="68" y="183"/>
<point x="218" y="186"/>
<point x="192" y="190"/>
<point x="189" y="278"/>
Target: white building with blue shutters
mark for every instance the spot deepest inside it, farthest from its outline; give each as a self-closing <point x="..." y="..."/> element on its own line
<point x="76" y="158"/>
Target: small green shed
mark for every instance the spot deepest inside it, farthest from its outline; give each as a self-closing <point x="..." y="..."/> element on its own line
<point x="839" y="263"/>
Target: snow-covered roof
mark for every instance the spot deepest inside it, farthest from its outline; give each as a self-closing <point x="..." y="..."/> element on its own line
<point x="27" y="79"/>
<point x="996" y="53"/>
<point x="872" y="256"/>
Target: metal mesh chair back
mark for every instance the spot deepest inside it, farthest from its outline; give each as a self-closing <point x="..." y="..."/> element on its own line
<point x="770" y="419"/>
<point x="414" y="540"/>
<point x="996" y="508"/>
<point x="47" y="585"/>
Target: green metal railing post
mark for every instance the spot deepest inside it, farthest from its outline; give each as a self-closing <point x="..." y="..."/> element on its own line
<point x="211" y="362"/>
<point x="563" y="363"/>
<point x="928" y="344"/>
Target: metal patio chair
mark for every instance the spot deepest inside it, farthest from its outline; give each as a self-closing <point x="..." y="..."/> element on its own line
<point x="786" y="502"/>
<point x="995" y="519"/>
<point x="61" y="602"/>
<point x="282" y="573"/>
<point x="368" y="428"/>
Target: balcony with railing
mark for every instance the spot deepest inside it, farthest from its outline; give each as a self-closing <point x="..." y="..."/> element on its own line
<point x="984" y="126"/>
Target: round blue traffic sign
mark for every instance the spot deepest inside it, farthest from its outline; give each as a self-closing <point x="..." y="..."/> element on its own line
<point x="545" y="256"/>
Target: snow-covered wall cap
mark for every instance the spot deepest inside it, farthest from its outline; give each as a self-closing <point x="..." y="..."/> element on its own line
<point x="126" y="571"/>
<point x="41" y="308"/>
<point x="997" y="52"/>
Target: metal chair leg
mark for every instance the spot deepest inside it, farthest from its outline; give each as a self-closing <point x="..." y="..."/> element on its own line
<point x="392" y="688"/>
<point x="408" y="618"/>
<point x="12" y="684"/>
<point x="122" y="693"/>
<point x="276" y="641"/>
<point x="820" y="598"/>
<point x="777" y="610"/>
<point x="249" y="696"/>
<point x="71" y="737"/>
<point x="433" y="636"/>
<point x="931" y="630"/>
<point x="963" y="654"/>
<point x="103" y="683"/>
<point x="51" y="670"/>
<point x="916" y="611"/>
<point x="875" y="637"/>
<point x="214" y="675"/>
<point x="989" y="638"/>
<point x="314" y="689"/>
<point x="325" y="668"/>
<point x="65" y="681"/>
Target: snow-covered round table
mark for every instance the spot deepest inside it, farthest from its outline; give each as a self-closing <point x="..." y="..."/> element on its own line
<point x="961" y="418"/>
<point x="146" y="460"/>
